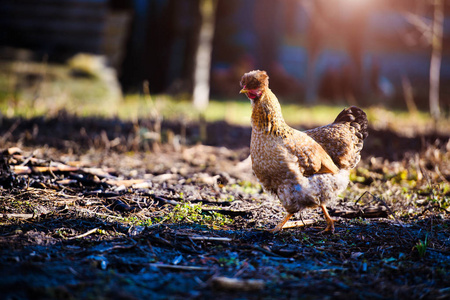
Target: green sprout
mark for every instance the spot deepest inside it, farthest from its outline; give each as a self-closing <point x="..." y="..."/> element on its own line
<point x="421" y="246"/>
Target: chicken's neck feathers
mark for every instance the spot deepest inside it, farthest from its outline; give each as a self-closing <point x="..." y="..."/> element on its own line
<point x="267" y="116"/>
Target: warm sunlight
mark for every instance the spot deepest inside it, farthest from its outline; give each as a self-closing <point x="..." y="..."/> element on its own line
<point x="223" y="149"/>
<point x="355" y="2"/>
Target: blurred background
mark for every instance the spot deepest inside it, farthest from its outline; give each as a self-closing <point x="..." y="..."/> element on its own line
<point x="73" y="53"/>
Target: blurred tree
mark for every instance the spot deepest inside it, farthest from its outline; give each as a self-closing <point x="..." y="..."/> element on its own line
<point x="203" y="54"/>
<point x="436" y="57"/>
<point x="433" y="33"/>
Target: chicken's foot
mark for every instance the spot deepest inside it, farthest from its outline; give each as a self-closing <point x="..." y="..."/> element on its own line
<point x="330" y="221"/>
<point x="281" y="224"/>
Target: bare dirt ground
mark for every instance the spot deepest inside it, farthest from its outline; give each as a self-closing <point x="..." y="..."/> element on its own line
<point x="96" y="209"/>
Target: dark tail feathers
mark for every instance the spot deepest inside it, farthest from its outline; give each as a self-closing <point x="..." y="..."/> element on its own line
<point x="357" y="118"/>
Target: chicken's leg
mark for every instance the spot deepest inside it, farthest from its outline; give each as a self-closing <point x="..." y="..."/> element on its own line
<point x="330" y="221"/>
<point x="281" y="224"/>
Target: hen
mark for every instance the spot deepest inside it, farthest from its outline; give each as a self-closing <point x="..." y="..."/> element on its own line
<point x="304" y="169"/>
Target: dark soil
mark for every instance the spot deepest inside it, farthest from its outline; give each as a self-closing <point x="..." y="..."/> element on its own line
<point x="99" y="209"/>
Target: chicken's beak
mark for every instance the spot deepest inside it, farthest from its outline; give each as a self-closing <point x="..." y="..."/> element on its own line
<point x="243" y="91"/>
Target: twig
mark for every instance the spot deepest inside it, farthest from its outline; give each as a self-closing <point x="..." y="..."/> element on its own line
<point x="162" y="240"/>
<point x="389" y="209"/>
<point x="84" y="234"/>
<point x="100" y="172"/>
<point x="115" y="247"/>
<point x="293" y="224"/>
<point x="236" y="284"/>
<point x="177" y="267"/>
<point x="59" y="168"/>
<point x="210" y="238"/>
<point x="167" y="201"/>
<point x="231" y="213"/>
<point x="51" y="172"/>
<point x="381" y="201"/>
<point x="367" y="212"/>
<point x="13" y="127"/>
<point x="327" y="270"/>
<point x="12" y="150"/>
<point x="261" y="249"/>
<point x="98" y="214"/>
<point x="301" y="218"/>
<point x="218" y="203"/>
<point x="126" y="182"/>
<point x="438" y="172"/>
<point x="27" y="160"/>
<point x="20" y="170"/>
<point x="20" y="216"/>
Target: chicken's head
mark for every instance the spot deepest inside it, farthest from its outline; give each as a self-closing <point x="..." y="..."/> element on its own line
<point x="253" y="83"/>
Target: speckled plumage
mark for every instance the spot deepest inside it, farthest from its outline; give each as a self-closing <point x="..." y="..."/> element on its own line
<point x="304" y="169"/>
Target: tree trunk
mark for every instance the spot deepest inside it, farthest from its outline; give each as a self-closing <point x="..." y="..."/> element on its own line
<point x="203" y="54"/>
<point x="436" y="57"/>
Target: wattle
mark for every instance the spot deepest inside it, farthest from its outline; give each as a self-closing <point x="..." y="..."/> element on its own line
<point x="252" y="95"/>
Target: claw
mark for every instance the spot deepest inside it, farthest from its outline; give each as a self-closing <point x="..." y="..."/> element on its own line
<point x="276" y="229"/>
<point x="281" y="224"/>
<point x="328" y="229"/>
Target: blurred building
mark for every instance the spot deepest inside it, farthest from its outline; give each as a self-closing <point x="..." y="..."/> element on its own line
<point x="61" y="28"/>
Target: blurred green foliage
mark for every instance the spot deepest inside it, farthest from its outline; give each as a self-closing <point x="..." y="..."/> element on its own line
<point x="85" y="86"/>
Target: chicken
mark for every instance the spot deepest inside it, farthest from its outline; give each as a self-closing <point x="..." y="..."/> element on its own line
<point x="303" y="169"/>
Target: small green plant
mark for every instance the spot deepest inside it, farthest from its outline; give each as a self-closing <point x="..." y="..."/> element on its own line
<point x="229" y="261"/>
<point x="437" y="194"/>
<point x="421" y="246"/>
<point x="247" y="187"/>
<point x="130" y="220"/>
<point x="146" y="222"/>
<point x="193" y="213"/>
<point x="230" y="198"/>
